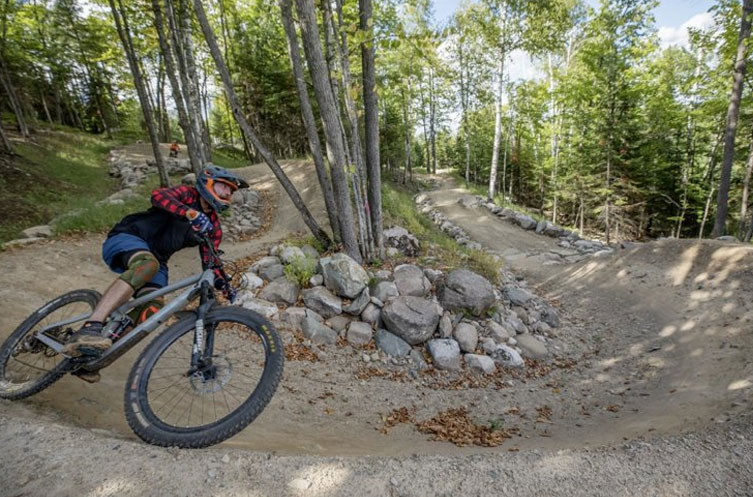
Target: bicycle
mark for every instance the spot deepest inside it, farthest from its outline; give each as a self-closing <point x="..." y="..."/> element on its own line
<point x="191" y="369"/>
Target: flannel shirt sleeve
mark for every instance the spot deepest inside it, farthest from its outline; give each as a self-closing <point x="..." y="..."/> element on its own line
<point x="176" y="200"/>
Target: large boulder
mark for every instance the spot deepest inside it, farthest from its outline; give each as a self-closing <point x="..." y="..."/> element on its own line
<point x="445" y="353"/>
<point x="42" y="231"/>
<point x="359" y="304"/>
<point x="410" y="280"/>
<point x="526" y="222"/>
<point x="465" y="290"/>
<point x="401" y="239"/>
<point x="344" y="276"/>
<point x="322" y="301"/>
<point x="412" y="318"/>
<point x="390" y="344"/>
<point x="281" y="291"/>
<point x="261" y="306"/>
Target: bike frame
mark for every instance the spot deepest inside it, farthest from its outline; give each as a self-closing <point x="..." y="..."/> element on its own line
<point x="120" y="347"/>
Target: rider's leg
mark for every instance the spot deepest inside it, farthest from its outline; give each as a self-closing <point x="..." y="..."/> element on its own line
<point x="142" y="266"/>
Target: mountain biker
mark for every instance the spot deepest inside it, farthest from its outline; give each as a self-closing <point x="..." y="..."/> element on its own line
<point x="174" y="149"/>
<point x="140" y="245"/>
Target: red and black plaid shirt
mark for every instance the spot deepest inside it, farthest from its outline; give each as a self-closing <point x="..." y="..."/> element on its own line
<point x="178" y="200"/>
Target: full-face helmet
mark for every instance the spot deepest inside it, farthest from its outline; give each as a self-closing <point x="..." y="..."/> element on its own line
<point x="211" y="175"/>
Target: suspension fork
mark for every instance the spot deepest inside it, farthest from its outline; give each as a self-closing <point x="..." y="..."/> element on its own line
<point x="203" y="339"/>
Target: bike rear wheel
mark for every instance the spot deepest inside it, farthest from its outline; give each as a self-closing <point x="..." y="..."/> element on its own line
<point x="166" y="404"/>
<point x="27" y="366"/>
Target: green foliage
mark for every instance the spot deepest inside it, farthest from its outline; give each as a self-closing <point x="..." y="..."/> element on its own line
<point x="300" y="270"/>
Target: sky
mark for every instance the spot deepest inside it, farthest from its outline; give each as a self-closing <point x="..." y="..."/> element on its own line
<point x="673" y="18"/>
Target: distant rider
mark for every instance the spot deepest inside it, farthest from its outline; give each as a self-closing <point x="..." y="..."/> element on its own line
<point x="140" y="245"/>
<point x="174" y="149"/>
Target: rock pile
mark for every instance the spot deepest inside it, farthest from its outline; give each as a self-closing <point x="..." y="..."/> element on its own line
<point x="458" y="319"/>
<point x="132" y="173"/>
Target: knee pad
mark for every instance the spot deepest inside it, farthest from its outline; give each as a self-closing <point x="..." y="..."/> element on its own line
<point x="141" y="268"/>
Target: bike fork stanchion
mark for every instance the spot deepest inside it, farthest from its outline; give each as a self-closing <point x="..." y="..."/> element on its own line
<point x="201" y="340"/>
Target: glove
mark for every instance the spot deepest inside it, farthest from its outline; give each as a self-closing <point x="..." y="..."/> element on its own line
<point x="200" y="222"/>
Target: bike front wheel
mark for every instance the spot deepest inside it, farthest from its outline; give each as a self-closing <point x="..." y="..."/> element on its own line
<point x="28" y="366"/>
<point x="169" y="403"/>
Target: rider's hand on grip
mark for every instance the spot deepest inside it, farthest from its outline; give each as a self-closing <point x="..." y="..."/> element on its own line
<point x="200" y="222"/>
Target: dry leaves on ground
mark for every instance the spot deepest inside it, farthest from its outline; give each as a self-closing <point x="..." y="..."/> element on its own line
<point x="454" y="425"/>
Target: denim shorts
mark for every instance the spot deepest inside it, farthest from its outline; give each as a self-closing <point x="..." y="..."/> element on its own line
<point x="123" y="242"/>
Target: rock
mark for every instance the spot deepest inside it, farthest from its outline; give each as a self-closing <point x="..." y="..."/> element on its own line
<point x="469" y="201"/>
<point x="344" y="276"/>
<point x="310" y="252"/>
<point x="392" y="252"/>
<point x="417" y="358"/>
<point x="525" y="222"/>
<point x="507" y="357"/>
<point x="410" y="280"/>
<point x="531" y="347"/>
<point x="263" y="307"/>
<point x="445" y="326"/>
<point x="402" y="240"/>
<point x="497" y="332"/>
<point x="289" y="254"/>
<point x="299" y="484"/>
<point x="20" y="242"/>
<point x="553" y="230"/>
<point x="542" y="328"/>
<point x="376" y="302"/>
<point x="522" y="314"/>
<point x="372" y="314"/>
<point x="466" y="336"/>
<point x="42" y="231"/>
<point x="550" y="317"/>
<point x="412" y="318"/>
<point x="293" y="316"/>
<point x="480" y="364"/>
<point x="517" y="296"/>
<point x="264" y="262"/>
<point x="339" y="323"/>
<point x="390" y="344"/>
<point x="357" y="306"/>
<point x="359" y="333"/>
<point x="316" y="280"/>
<point x="433" y="274"/>
<point x="281" y="291"/>
<point x="727" y="238"/>
<point x="488" y="345"/>
<point x="385" y="290"/>
<point x="253" y="281"/>
<point x="318" y="332"/>
<point x="272" y="272"/>
<point x="540" y="227"/>
<point x="445" y="353"/>
<point x="277" y="250"/>
<point x="383" y="275"/>
<point x="322" y="301"/>
<point x="464" y="290"/>
<point x="516" y="324"/>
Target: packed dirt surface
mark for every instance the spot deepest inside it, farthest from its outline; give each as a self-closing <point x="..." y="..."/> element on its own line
<point x="650" y="394"/>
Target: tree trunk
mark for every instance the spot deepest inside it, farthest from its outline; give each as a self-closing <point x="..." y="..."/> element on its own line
<point x="746" y="186"/>
<point x="308" y="118"/>
<point x="289" y="188"/>
<point x="733" y="111"/>
<point x="124" y="32"/>
<point x="15" y="105"/>
<point x="4" y="142"/>
<point x="193" y="80"/>
<point x="497" y="124"/>
<point x="194" y="148"/>
<point x="371" y="121"/>
<point x="464" y="111"/>
<point x="433" y="121"/>
<point x="423" y="122"/>
<point x="332" y="125"/>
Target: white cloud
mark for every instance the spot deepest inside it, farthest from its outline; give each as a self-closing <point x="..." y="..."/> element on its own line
<point x="679" y="36"/>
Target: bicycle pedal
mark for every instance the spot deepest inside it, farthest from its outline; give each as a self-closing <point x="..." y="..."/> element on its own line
<point x="88" y="376"/>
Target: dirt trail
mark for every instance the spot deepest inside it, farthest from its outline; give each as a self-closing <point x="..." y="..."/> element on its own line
<point x="670" y="321"/>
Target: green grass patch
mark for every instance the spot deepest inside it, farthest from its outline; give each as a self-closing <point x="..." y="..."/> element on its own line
<point x="58" y="170"/>
<point x="438" y="248"/>
<point x="229" y="160"/>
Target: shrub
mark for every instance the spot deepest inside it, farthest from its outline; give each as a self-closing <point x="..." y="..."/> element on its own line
<point x="300" y="270"/>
